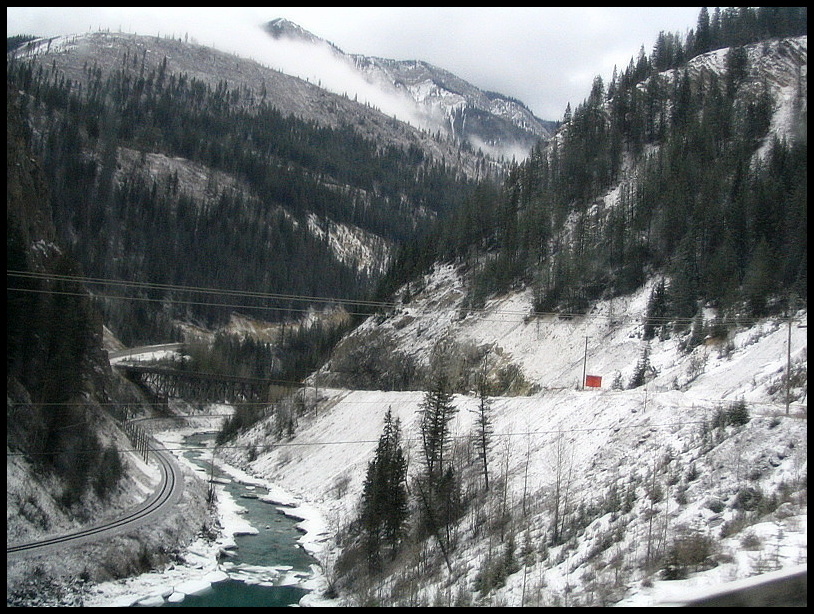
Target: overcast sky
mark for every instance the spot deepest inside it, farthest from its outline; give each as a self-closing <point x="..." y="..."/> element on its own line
<point x="545" y="57"/>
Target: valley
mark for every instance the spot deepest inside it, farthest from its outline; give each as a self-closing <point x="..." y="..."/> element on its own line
<point x="469" y="357"/>
<point x="600" y="443"/>
<point x="639" y="467"/>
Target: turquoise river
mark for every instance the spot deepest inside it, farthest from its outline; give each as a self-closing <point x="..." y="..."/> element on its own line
<point x="264" y="568"/>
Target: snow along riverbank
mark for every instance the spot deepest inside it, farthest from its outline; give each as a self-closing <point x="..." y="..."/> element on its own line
<point x="200" y="567"/>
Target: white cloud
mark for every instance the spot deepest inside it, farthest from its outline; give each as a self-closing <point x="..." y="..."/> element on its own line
<point x="544" y="57"/>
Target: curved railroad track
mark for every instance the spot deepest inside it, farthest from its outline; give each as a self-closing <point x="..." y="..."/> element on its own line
<point x="163" y="497"/>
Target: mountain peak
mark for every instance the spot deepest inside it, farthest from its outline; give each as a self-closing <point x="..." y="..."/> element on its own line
<point x="283" y="28"/>
<point x="434" y="98"/>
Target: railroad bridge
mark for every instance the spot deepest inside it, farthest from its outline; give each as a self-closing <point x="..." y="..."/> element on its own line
<point x="205" y="387"/>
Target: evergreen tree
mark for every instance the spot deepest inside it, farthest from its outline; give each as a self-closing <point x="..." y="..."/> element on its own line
<point x="737" y="69"/>
<point x="384" y="496"/>
<point x="656" y="311"/>
<point x="483" y="424"/>
<point x="683" y="291"/>
<point x="438" y="488"/>
<point x="437" y="411"/>
<point x="722" y="275"/>
<point x="759" y="280"/>
<point x="643" y="369"/>
<point x="703" y="34"/>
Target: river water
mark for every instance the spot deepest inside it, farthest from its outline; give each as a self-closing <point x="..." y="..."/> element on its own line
<point x="265" y="569"/>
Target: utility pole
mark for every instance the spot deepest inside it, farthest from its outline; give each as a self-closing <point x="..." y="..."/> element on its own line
<point x="788" y="369"/>
<point x="788" y="359"/>
<point x="788" y="353"/>
<point x="585" y="363"/>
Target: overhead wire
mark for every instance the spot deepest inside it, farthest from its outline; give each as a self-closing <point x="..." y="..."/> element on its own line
<point x="695" y="402"/>
<point x="408" y="440"/>
<point x="524" y="315"/>
<point x="570" y="430"/>
<point x="175" y="301"/>
<point x="193" y="289"/>
<point x="562" y="318"/>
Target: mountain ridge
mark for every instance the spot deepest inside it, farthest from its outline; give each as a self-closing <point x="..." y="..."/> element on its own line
<point x="291" y="95"/>
<point x="319" y="168"/>
<point x="494" y="122"/>
<point x="685" y="443"/>
<point x="675" y="477"/>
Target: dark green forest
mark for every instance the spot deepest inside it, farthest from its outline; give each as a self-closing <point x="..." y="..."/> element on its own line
<point x="725" y="228"/>
<point x="130" y="226"/>
<point x="54" y="360"/>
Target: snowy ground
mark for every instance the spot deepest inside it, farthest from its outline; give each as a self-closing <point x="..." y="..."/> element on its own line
<point x="607" y="436"/>
<point x="658" y="434"/>
<point x="330" y="456"/>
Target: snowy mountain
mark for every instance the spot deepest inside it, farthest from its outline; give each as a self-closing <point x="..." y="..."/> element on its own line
<point x="73" y="55"/>
<point x="685" y="468"/>
<point x="644" y="469"/>
<point x="338" y="184"/>
<point x="683" y="465"/>
<point x="431" y="97"/>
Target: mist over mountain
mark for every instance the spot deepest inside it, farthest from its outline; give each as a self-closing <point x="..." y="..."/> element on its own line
<point x="426" y="95"/>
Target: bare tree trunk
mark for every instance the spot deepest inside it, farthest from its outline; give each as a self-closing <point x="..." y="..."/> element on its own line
<point x="526" y="472"/>
<point x="505" y="498"/>
<point x="650" y="521"/>
<point x="567" y="491"/>
<point x="434" y="525"/>
<point x="557" y="484"/>
<point x="562" y="484"/>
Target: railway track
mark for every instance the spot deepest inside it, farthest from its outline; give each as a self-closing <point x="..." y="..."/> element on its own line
<point x="164" y="497"/>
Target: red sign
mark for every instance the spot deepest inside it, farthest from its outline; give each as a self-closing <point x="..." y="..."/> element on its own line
<point x="593" y="381"/>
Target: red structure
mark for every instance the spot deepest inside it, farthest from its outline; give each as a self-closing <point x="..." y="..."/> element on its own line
<point x="593" y="381"/>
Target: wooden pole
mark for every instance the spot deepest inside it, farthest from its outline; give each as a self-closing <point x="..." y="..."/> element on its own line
<point x="788" y="368"/>
<point x="788" y="355"/>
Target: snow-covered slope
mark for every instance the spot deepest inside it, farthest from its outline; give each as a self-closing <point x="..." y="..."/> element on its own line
<point x="781" y="65"/>
<point x="644" y="468"/>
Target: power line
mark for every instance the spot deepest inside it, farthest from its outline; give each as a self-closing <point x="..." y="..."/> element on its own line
<point x="641" y="427"/>
<point x="408" y="440"/>
<point x="192" y="289"/>
<point x="562" y="317"/>
<point x="355" y="402"/>
<point x="293" y="297"/>
<point x="173" y="301"/>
